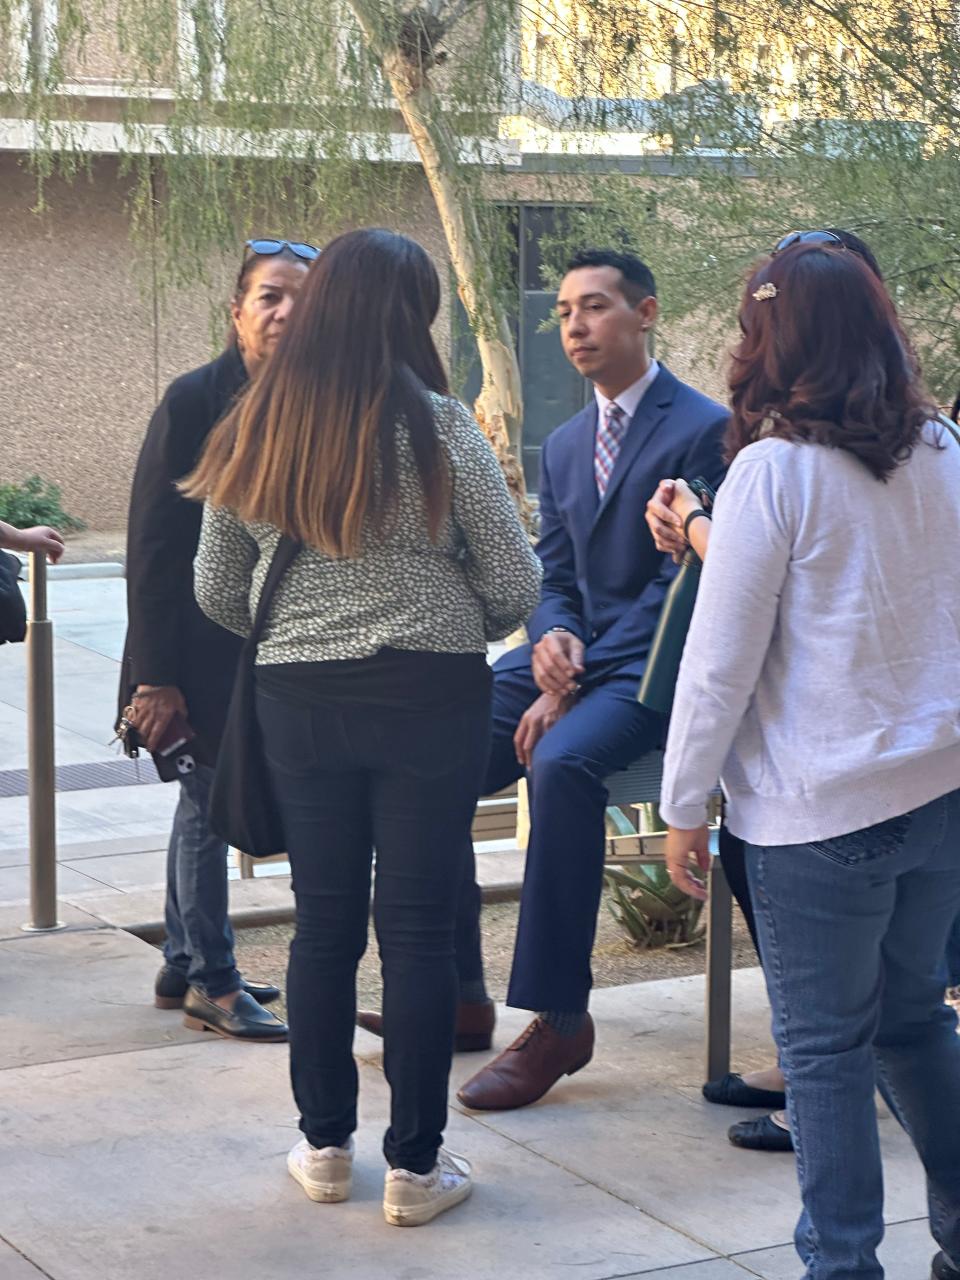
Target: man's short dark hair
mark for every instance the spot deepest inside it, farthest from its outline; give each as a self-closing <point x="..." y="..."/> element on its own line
<point x="638" y="281"/>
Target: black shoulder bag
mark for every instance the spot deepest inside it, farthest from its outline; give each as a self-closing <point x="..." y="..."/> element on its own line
<point x="13" y="612"/>
<point x="243" y="810"/>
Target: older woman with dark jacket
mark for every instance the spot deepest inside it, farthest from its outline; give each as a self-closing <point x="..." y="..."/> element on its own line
<point x="178" y="666"/>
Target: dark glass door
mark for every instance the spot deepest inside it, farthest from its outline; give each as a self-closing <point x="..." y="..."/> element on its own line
<point x="553" y="391"/>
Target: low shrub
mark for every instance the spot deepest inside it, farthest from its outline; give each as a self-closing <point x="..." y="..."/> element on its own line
<point x="36" y="501"/>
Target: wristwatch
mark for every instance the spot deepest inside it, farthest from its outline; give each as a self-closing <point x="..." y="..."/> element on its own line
<point x="694" y="514"/>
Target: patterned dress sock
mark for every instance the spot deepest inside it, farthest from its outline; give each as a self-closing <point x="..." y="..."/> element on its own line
<point x="564" y="1023"/>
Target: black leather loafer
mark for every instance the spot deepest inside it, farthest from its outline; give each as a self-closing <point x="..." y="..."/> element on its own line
<point x="171" y="987"/>
<point x="731" y="1091"/>
<point x="943" y="1268"/>
<point x="245" y="1021"/>
<point x="760" y="1135"/>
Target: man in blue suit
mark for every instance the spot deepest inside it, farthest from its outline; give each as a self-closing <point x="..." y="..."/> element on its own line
<point x="565" y="708"/>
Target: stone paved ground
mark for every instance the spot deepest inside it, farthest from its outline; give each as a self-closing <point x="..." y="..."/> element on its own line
<point x="133" y="1149"/>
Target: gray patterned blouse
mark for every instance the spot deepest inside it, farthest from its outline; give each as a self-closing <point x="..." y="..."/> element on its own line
<point x="478" y="582"/>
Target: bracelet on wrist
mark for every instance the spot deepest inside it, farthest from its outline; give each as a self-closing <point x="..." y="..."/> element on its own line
<point x="694" y="515"/>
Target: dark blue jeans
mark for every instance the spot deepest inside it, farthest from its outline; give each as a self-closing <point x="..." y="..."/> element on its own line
<point x="199" y="937"/>
<point x="852" y="935"/>
<point x="349" y="778"/>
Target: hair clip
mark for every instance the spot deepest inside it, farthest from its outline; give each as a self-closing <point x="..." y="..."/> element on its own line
<point x="766" y="291"/>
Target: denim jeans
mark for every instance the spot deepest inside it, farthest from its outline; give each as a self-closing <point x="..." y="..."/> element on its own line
<point x="199" y="937"/>
<point x="349" y="777"/>
<point x="852" y="935"/>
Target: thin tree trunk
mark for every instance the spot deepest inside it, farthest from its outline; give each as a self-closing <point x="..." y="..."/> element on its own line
<point x="499" y="407"/>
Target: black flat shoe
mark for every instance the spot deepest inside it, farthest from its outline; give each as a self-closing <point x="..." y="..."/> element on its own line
<point x="760" y="1135"/>
<point x="943" y="1268"/>
<point x="171" y="987"/>
<point x="245" y="1021"/>
<point x="731" y="1091"/>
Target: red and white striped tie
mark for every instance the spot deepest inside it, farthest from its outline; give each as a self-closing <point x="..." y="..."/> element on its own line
<point x="610" y="433"/>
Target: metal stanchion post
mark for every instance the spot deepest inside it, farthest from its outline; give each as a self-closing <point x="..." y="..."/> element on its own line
<point x="43" y="819"/>
<point x="719" y="963"/>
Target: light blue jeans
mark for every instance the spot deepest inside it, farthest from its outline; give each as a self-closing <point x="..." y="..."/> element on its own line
<point x="199" y="936"/>
<point x="853" y="932"/>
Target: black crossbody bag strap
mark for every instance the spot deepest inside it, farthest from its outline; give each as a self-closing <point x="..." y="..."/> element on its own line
<point x="243" y="810"/>
<point x="283" y="557"/>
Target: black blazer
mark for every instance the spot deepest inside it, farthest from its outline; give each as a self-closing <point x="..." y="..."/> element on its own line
<point x="169" y="640"/>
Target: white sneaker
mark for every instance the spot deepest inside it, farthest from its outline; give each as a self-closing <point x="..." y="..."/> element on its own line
<point x="324" y="1174"/>
<point x="411" y="1199"/>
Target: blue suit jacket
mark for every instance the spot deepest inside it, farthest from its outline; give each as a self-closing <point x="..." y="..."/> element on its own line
<point x="603" y="578"/>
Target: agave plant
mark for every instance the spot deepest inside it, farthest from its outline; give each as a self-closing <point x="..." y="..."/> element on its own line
<point x="651" y="910"/>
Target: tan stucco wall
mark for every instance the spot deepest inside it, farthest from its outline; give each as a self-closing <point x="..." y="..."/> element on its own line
<point x="82" y="361"/>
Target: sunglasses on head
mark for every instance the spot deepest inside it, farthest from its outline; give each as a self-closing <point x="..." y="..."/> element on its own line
<point x="807" y="237"/>
<point x="266" y="248"/>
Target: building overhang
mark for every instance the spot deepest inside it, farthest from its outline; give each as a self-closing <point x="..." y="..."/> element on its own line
<point x="100" y="137"/>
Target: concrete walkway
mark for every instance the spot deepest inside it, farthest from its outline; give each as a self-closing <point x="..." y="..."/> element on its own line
<point x="133" y="1149"/>
<point x="112" y="838"/>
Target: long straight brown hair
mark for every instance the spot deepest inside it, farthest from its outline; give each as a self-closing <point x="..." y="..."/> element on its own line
<point x="311" y="448"/>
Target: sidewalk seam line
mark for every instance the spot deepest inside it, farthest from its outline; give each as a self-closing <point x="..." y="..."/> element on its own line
<point x="117" y="1053"/>
<point x="582" y="1177"/>
<point x="29" y="1261"/>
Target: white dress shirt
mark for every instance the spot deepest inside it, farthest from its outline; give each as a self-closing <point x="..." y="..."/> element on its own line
<point x="629" y="400"/>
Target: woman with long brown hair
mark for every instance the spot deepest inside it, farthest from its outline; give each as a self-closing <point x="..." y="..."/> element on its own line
<point x="373" y="690"/>
<point x="821" y="681"/>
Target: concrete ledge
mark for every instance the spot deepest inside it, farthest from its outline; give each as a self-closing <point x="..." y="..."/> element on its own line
<point x="77" y="850"/>
<point x="14" y="915"/>
<point x="63" y="572"/>
<point x="253" y="903"/>
<point x="267" y="900"/>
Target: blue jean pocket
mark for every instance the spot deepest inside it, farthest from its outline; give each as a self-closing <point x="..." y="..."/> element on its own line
<point x="426" y="745"/>
<point x="287" y="732"/>
<point x="867" y="844"/>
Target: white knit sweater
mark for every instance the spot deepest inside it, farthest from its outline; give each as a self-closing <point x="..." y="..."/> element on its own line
<point x="821" y="675"/>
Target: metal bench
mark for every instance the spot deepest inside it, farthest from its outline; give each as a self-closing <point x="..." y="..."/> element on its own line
<point x="639" y="785"/>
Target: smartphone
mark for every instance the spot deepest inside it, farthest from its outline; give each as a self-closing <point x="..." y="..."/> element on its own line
<point x="176" y="735"/>
<point x="705" y="492"/>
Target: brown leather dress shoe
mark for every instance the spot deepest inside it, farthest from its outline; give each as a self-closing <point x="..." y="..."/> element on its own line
<point x="528" y="1068"/>
<point x="474" y="1031"/>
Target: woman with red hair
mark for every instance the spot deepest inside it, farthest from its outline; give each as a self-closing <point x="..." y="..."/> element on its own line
<point x="821" y="680"/>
